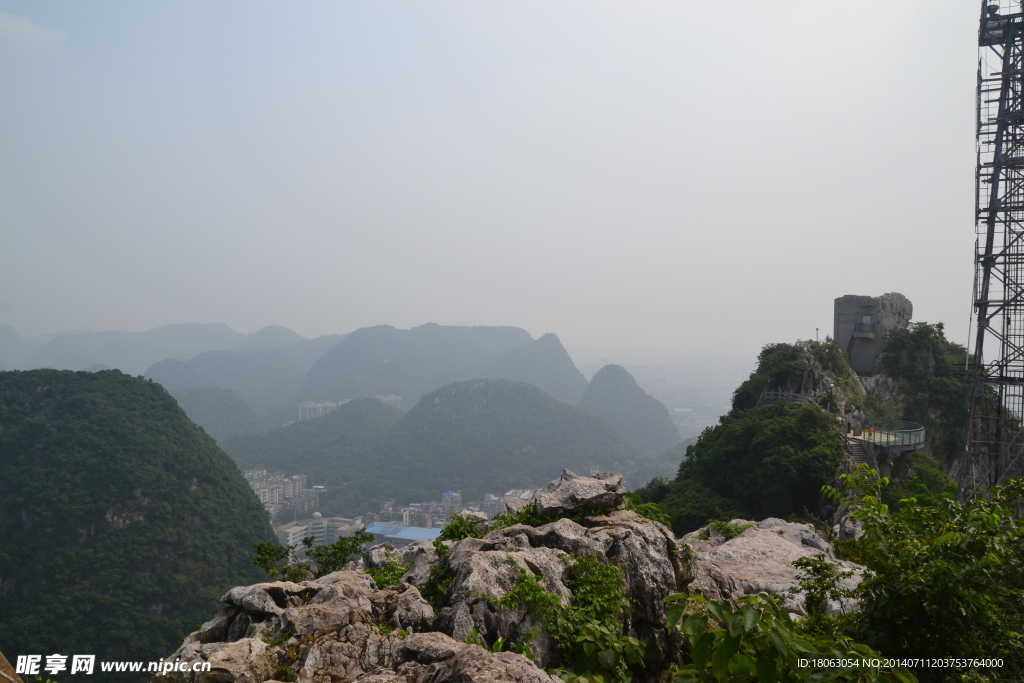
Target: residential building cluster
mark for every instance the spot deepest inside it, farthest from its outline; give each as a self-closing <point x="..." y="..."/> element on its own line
<point x="311" y="409"/>
<point x="391" y="400"/>
<point x="280" y="494"/>
<point x="324" y="530"/>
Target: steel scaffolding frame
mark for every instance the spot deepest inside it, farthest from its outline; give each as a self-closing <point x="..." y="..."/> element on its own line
<point x="995" y="438"/>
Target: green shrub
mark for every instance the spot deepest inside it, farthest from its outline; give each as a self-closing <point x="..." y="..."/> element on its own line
<point x="760" y="642"/>
<point x="944" y="578"/>
<point x="390" y="574"/>
<point x="588" y="631"/>
<point x="277" y="560"/>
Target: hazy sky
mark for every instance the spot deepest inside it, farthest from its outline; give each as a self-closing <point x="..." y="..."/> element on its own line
<point x="646" y="179"/>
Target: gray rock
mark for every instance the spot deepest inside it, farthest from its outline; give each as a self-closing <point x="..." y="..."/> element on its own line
<point x="759" y="560"/>
<point x="573" y="494"/>
<point x="654" y="565"/>
<point x="434" y="658"/>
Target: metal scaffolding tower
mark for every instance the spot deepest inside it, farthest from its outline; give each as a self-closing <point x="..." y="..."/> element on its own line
<point x="995" y="438"/>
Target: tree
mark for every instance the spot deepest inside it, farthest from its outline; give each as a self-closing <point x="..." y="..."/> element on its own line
<point x="277" y="560"/>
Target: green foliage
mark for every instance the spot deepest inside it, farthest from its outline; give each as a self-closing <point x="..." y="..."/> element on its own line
<point x="639" y="418"/>
<point x="760" y="642"/>
<point x="779" y="367"/>
<point x="220" y="412"/>
<point x="390" y="574"/>
<point x="460" y="527"/>
<point x="651" y="511"/>
<point x="729" y="531"/>
<point x="529" y="516"/>
<point x="763" y="462"/>
<point x="947" y="577"/>
<point x="688" y="503"/>
<point x="588" y="631"/>
<point x="117" y="514"/>
<point x="830" y="356"/>
<point x="282" y="561"/>
<point x="919" y="476"/>
<point x="930" y="372"/>
<point x="331" y="558"/>
<point x="491" y="435"/>
<point x="819" y="580"/>
<point x="440" y="577"/>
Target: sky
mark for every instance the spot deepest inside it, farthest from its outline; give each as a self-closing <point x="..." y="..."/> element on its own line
<point x="648" y="180"/>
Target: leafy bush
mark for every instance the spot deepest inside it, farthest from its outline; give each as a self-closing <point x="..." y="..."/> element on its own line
<point x="779" y="366"/>
<point x="651" y="511"/>
<point x="759" y="641"/>
<point x="944" y="578"/>
<point x="277" y="560"/>
<point x="390" y="574"/>
<point x="689" y="503"/>
<point x="727" y="529"/>
<point x="588" y="631"/>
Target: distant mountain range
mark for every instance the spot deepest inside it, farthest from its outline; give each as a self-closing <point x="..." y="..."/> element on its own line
<point x="476" y="436"/>
<point x="231" y="383"/>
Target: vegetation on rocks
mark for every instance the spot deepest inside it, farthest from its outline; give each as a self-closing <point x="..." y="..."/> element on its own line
<point x="284" y="561"/>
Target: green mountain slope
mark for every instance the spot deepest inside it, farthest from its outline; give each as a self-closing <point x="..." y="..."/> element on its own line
<point x="476" y="436"/>
<point x="220" y="412"/>
<point x="543" y="363"/>
<point x="409" y="363"/>
<point x="638" y="417"/>
<point x="122" y="523"/>
<point x="326" y="449"/>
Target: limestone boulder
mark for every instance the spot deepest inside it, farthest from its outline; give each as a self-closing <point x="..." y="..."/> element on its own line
<point x="333" y="629"/>
<point x="760" y="560"/>
<point x="436" y="658"/>
<point x="572" y="494"/>
<point x="653" y="563"/>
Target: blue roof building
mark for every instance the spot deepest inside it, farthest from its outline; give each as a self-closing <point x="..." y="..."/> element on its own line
<point x="398" y="535"/>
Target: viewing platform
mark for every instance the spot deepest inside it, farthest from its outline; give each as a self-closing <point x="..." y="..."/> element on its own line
<point x="889" y="436"/>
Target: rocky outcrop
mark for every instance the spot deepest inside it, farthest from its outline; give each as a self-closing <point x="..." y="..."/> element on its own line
<point x="344" y="628"/>
<point x="434" y="657"/>
<point x="759" y="560"/>
<point x="332" y="629"/>
<point x="572" y="494"/>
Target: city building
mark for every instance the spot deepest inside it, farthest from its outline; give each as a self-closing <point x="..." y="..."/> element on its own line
<point x="324" y="530"/>
<point x="391" y="400"/>
<point x="311" y="409"/>
<point x="399" y="535"/>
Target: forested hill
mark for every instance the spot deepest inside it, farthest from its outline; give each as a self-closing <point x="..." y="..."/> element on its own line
<point x="544" y="363"/>
<point x="478" y="436"/>
<point x="122" y="522"/>
<point x="638" y="417"/>
<point x="220" y="412"/>
<point x="772" y="460"/>
<point x="328" y="449"/>
<point x="408" y="363"/>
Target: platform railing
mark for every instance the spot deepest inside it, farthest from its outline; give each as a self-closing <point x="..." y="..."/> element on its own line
<point x="892" y="433"/>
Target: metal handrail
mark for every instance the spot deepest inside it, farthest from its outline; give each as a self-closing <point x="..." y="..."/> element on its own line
<point x="891" y="433"/>
<point x="783" y="397"/>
